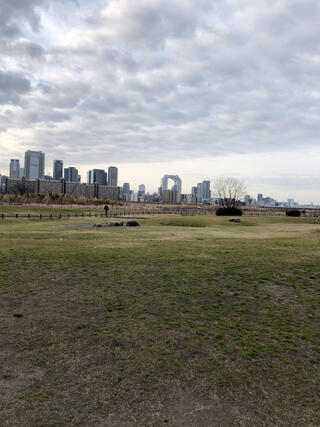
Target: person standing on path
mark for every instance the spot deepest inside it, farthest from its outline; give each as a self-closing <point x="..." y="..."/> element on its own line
<point x="106" y="208"/>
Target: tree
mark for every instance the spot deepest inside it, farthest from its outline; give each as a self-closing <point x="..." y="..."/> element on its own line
<point x="230" y="191"/>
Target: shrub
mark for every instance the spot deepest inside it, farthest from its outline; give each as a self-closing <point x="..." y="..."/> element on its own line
<point x="293" y="212"/>
<point x="229" y="212"/>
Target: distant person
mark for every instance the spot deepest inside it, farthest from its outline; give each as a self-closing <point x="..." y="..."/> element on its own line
<point x="106" y="208"/>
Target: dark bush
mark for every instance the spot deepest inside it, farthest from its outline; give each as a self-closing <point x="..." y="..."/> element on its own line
<point x="132" y="224"/>
<point x="229" y="212"/>
<point x="293" y="212"/>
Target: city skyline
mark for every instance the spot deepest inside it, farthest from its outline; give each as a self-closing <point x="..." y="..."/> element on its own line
<point x="203" y="188"/>
<point x="198" y="89"/>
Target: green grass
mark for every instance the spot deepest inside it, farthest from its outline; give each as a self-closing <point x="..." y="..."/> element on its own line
<point x="33" y="209"/>
<point x="182" y="321"/>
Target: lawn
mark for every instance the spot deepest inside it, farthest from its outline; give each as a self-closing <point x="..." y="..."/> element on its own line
<point x="183" y="321"/>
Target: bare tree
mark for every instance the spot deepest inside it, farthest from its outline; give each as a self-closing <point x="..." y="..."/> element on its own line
<point x="230" y="191"/>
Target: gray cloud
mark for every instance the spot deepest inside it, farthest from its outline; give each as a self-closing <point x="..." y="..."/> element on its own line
<point x="12" y="86"/>
<point x="21" y="48"/>
<point x="13" y="13"/>
<point x="206" y="78"/>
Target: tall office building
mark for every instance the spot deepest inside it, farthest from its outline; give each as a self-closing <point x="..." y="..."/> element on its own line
<point x="112" y="176"/>
<point x="2" y="183"/>
<point x="141" y="193"/>
<point x="205" y="187"/>
<point x="171" y="196"/>
<point x="99" y="176"/>
<point x="125" y="193"/>
<point x="126" y="188"/>
<point x="71" y="174"/>
<point x="259" y="197"/>
<point x="14" y="169"/>
<point x="57" y="169"/>
<point x="89" y="177"/>
<point x="142" y="190"/>
<point x="34" y="164"/>
<point x="199" y="192"/>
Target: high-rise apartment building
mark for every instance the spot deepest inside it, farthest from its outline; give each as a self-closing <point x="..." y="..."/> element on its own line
<point x="57" y="169"/>
<point x="71" y="174"/>
<point x="14" y="169"/>
<point x="34" y="164"/>
<point x="259" y="197"/>
<point x="112" y="176"/>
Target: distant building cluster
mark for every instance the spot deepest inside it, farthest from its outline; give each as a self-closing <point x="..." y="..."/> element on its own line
<point x="100" y="180"/>
<point x="64" y="180"/>
<point x="269" y="202"/>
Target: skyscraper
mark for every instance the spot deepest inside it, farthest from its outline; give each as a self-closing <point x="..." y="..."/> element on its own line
<point x="126" y="188"/>
<point x="199" y="192"/>
<point x="71" y="174"/>
<point x="99" y="176"/>
<point x="57" y="169"/>
<point x="142" y="190"/>
<point x="141" y="193"/>
<point x="89" y="177"/>
<point x="194" y="191"/>
<point x="205" y="187"/>
<point x="34" y="164"/>
<point x="14" y="169"/>
<point x="112" y="176"/>
<point x="2" y="183"/>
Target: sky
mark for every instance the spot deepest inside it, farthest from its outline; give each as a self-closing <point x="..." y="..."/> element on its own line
<point x="199" y="88"/>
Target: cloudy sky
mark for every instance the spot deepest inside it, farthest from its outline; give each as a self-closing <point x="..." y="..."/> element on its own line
<point x="199" y="88"/>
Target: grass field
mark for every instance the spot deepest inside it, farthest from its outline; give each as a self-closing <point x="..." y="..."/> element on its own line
<point x="184" y="321"/>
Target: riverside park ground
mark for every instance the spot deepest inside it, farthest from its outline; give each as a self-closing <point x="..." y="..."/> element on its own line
<point x="183" y="321"/>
